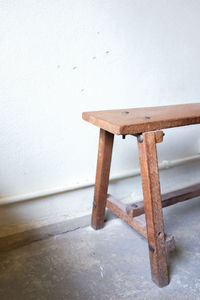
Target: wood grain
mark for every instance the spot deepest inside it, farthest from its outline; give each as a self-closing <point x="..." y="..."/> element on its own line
<point x="138" y="120"/>
<point x="137" y="223"/>
<point x="153" y="208"/>
<point x="171" y="198"/>
<point x="119" y="209"/>
<point x="102" y="178"/>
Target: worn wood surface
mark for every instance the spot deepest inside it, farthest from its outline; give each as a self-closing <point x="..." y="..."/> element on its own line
<point x="138" y="120"/>
<point x="188" y="193"/>
<point x="119" y="209"/>
<point x="102" y="178"/>
<point x="153" y="208"/>
<point x="137" y="223"/>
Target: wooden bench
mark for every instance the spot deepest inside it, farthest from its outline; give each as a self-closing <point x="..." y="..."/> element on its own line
<point x="146" y="124"/>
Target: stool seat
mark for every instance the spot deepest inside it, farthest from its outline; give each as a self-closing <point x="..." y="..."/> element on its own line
<point x="139" y="120"/>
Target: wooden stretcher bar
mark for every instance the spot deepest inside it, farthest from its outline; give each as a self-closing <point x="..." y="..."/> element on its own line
<point x="171" y="198"/>
<point x="137" y="223"/>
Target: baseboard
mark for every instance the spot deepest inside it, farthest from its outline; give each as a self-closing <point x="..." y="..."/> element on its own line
<point x="165" y="164"/>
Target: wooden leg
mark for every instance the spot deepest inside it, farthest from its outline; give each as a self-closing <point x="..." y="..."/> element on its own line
<point x="153" y="207"/>
<point x="102" y="178"/>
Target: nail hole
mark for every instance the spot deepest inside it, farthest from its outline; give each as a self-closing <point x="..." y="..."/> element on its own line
<point x="151" y="248"/>
<point x="125" y="112"/>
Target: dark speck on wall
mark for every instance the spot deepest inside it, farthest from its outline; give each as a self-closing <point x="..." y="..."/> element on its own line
<point x="107" y="52"/>
<point x="75" y="67"/>
<point x="94" y="57"/>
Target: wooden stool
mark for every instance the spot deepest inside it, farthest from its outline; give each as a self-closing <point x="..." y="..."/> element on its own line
<point x="146" y="125"/>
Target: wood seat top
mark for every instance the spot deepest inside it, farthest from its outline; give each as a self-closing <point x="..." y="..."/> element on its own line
<point x="138" y="120"/>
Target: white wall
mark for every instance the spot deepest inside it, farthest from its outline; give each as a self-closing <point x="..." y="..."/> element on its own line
<point x="59" y="58"/>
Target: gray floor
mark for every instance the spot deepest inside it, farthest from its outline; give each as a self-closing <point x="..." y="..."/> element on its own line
<point x="111" y="263"/>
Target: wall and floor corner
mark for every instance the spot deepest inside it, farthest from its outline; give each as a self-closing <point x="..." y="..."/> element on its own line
<point x="61" y="58"/>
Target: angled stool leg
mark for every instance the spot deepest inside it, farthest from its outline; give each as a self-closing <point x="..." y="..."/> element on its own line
<point x="102" y="178"/>
<point x="152" y="206"/>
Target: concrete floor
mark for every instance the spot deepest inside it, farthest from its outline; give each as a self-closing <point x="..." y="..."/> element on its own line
<point x="112" y="263"/>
